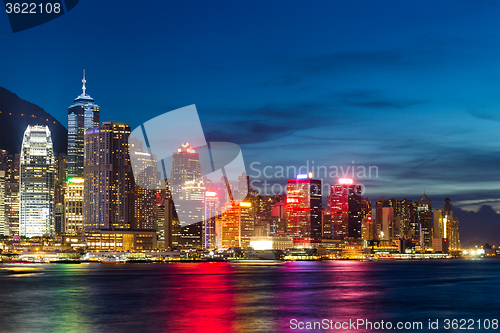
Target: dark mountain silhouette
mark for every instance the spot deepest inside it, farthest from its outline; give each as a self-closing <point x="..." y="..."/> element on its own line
<point x="483" y="225"/>
<point x="16" y="114"/>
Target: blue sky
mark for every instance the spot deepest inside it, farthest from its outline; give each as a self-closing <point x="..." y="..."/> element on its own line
<point x="411" y="87"/>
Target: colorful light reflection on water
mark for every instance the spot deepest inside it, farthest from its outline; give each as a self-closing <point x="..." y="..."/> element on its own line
<point x="224" y="297"/>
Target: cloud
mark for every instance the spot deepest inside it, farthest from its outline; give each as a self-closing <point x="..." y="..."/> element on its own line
<point x="492" y="115"/>
<point x="266" y="123"/>
<point x="383" y="104"/>
<point x="283" y="80"/>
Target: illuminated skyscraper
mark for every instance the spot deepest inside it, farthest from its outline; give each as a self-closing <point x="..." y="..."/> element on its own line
<point x="83" y="114"/>
<point x="303" y="208"/>
<point x="36" y="216"/>
<point x="237" y="225"/>
<point x="108" y="185"/>
<point x="211" y="204"/>
<point x="346" y="210"/>
<point x="73" y="205"/>
<point x="146" y="187"/>
<point x="446" y="226"/>
<point x="185" y="167"/>
<point x="247" y="223"/>
<point x="3" y="228"/>
<point x="425" y="221"/>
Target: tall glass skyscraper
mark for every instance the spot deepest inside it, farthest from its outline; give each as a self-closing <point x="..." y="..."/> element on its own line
<point x="83" y="114"/>
<point x="344" y="203"/>
<point x="108" y="180"/>
<point x="303" y="206"/>
<point x="36" y="214"/>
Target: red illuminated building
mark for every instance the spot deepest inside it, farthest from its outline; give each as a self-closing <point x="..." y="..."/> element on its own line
<point x="303" y="206"/>
<point x="344" y="203"/>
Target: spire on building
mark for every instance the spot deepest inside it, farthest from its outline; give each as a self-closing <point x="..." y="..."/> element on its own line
<point x="84" y="81"/>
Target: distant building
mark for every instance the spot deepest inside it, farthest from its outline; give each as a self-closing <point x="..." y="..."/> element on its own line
<point x="36" y="216"/>
<point x="446" y="226"/>
<point x="3" y="227"/>
<point x="236" y="225"/>
<point x="146" y="186"/>
<point x="73" y="206"/>
<point x="211" y="204"/>
<point x="83" y="115"/>
<point x="425" y="221"/>
<point x="346" y="212"/>
<point x="108" y="178"/>
<point x="121" y="240"/>
<point x="303" y="207"/>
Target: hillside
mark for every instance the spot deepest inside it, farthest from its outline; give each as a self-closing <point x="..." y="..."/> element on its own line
<point x="16" y="114"/>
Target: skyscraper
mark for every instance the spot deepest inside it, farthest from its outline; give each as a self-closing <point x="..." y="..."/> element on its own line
<point x="185" y="167"/>
<point x="3" y="227"/>
<point x="425" y="221"/>
<point x="73" y="205"/>
<point x="303" y="197"/>
<point x="108" y="199"/>
<point x="346" y="210"/>
<point x="211" y="203"/>
<point x="146" y="186"/>
<point x="36" y="216"/>
<point x="83" y="114"/>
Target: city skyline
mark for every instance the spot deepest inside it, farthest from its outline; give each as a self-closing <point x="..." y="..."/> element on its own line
<point x="417" y="103"/>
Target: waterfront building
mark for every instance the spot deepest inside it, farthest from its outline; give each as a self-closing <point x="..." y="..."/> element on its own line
<point x="120" y="240"/>
<point x="303" y="206"/>
<point x="83" y="115"/>
<point x="211" y="204"/>
<point x="425" y="221"/>
<point x="36" y="216"/>
<point x="146" y="186"/>
<point x="73" y="206"/>
<point x="345" y="207"/>
<point x="108" y="178"/>
<point x="3" y="227"/>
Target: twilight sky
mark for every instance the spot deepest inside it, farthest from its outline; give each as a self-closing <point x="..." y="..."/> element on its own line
<point x="411" y="88"/>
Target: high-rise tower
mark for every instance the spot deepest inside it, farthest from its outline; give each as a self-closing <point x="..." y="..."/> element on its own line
<point x="108" y="184"/>
<point x="425" y="221"/>
<point x="345" y="206"/>
<point x="303" y="208"/>
<point x="36" y="215"/>
<point x="83" y="114"/>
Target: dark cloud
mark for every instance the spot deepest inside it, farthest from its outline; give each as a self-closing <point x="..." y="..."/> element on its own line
<point x="343" y="60"/>
<point x="267" y="123"/>
<point x="283" y="80"/>
<point x="485" y="114"/>
<point x="383" y="104"/>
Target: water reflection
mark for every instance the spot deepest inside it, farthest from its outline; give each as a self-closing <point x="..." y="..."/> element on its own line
<point x="223" y="297"/>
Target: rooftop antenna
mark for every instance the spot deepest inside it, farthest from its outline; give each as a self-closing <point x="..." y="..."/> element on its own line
<point x="83" y="81"/>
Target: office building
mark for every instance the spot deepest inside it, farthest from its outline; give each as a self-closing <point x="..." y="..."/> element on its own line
<point x="344" y="203"/>
<point x="211" y="204"/>
<point x="425" y="221"/>
<point x="146" y="186"/>
<point x="73" y="206"/>
<point x="108" y="178"/>
<point x="36" y="214"/>
<point x="303" y="206"/>
<point x="4" y="229"/>
<point x="83" y="115"/>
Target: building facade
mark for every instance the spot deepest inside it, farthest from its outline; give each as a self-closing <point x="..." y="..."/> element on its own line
<point x="83" y="115"/>
<point x="36" y="194"/>
<point x="303" y="207"/>
<point x="345" y="205"/>
<point x="108" y="178"/>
